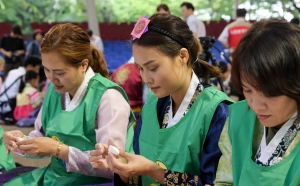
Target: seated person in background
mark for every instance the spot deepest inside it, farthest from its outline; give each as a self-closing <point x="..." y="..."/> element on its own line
<point x="229" y="90"/>
<point x="28" y="100"/>
<point x="10" y="88"/>
<point x="96" y="40"/>
<point x="2" y="64"/>
<point x="225" y="69"/>
<point x="129" y="78"/>
<point x="34" y="47"/>
<point x="13" y="48"/>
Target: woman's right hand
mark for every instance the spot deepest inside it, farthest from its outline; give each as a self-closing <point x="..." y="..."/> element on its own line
<point x="10" y="138"/>
<point x="98" y="156"/>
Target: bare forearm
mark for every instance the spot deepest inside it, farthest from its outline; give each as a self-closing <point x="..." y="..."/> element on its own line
<point x="21" y="52"/>
<point x="3" y="51"/>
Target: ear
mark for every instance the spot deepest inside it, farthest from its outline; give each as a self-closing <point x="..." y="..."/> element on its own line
<point x="84" y="64"/>
<point x="184" y="55"/>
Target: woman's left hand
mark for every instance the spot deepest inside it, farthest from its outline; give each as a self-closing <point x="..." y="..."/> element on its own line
<point x="38" y="146"/>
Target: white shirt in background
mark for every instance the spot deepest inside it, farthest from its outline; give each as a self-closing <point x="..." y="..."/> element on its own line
<point x="97" y="42"/>
<point x="196" y="26"/>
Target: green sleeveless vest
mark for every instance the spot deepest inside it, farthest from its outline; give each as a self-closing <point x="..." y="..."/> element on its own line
<point x="6" y="160"/>
<point x="245" y="171"/>
<point x="178" y="148"/>
<point x="74" y="128"/>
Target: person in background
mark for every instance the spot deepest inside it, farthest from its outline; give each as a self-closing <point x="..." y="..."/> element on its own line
<point x="163" y="8"/>
<point x="13" y="48"/>
<point x="129" y="78"/>
<point x="232" y="33"/>
<point x="2" y="64"/>
<point x="95" y="40"/>
<point x="196" y="26"/>
<point x="34" y="47"/>
<point x="28" y="99"/>
<point x="226" y="70"/>
<point x="260" y="142"/>
<point x="295" y="21"/>
<point x="11" y="85"/>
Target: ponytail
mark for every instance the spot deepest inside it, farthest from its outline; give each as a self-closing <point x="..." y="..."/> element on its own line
<point x="202" y="68"/>
<point x="98" y="63"/>
<point x="206" y="71"/>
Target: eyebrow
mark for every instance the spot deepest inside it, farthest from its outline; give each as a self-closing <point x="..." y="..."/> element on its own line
<point x="147" y="63"/>
<point x="55" y="69"/>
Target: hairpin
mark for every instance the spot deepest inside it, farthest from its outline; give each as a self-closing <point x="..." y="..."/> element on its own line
<point x="140" y="27"/>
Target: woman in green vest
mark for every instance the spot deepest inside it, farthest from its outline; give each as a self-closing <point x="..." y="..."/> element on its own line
<point x="260" y="142"/>
<point x="176" y="139"/>
<point x="81" y="108"/>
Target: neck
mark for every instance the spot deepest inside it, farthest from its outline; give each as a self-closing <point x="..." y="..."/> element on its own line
<point x="178" y="95"/>
<point x="225" y="76"/>
<point x="73" y="92"/>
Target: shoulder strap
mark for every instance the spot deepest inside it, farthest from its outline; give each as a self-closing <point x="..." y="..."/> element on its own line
<point x="6" y="89"/>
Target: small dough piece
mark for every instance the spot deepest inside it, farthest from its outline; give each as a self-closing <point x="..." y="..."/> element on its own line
<point x="114" y="150"/>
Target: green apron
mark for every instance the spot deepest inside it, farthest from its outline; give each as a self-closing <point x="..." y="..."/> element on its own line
<point x="74" y="128"/>
<point x="178" y="148"/>
<point x="245" y="171"/>
<point x="6" y="160"/>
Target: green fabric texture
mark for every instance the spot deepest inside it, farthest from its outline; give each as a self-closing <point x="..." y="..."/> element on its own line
<point x="74" y="128"/>
<point x="245" y="171"/>
<point x="6" y="160"/>
<point x="178" y="148"/>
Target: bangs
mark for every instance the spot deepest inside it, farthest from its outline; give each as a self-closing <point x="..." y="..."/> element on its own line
<point x="256" y="65"/>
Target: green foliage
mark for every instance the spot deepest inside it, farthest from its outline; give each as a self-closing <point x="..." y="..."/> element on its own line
<point x="23" y="12"/>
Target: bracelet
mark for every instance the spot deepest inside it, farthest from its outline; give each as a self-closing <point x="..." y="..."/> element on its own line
<point x="58" y="149"/>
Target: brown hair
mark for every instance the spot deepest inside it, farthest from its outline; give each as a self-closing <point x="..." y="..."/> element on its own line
<point x="164" y="7"/>
<point x="73" y="44"/>
<point x="173" y="35"/>
<point x="268" y="58"/>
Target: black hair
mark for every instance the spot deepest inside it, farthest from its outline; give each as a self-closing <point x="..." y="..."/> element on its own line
<point x="268" y="58"/>
<point x="89" y="32"/>
<point x="241" y="12"/>
<point x="16" y="29"/>
<point x="168" y="34"/>
<point x="33" y="61"/>
<point x="295" y="20"/>
<point x="34" y="34"/>
<point x="188" y="5"/>
<point x="30" y="74"/>
<point x="223" y="66"/>
<point x="164" y="7"/>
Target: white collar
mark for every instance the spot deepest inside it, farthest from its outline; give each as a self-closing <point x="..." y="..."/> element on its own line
<point x="185" y="102"/>
<point x="267" y="150"/>
<point x="240" y="19"/>
<point x="72" y="104"/>
<point x="131" y="60"/>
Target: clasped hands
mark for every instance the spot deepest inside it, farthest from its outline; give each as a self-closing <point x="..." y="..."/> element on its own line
<point x="125" y="164"/>
<point x="41" y="146"/>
